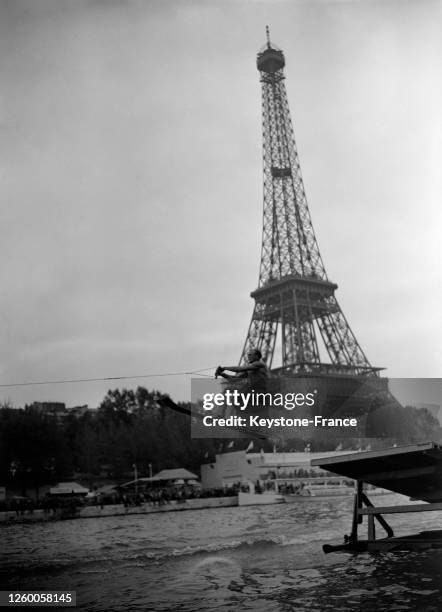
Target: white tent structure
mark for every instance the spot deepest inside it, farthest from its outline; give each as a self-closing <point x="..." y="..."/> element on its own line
<point x="68" y="488"/>
<point x="174" y="476"/>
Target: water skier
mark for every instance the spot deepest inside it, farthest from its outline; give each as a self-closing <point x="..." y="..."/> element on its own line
<point x="255" y="375"/>
<point x="255" y="371"/>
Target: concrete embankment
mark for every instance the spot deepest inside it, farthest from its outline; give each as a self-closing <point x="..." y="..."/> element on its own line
<point x="117" y="510"/>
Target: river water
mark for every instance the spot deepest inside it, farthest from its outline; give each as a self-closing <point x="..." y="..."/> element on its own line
<point x="260" y="558"/>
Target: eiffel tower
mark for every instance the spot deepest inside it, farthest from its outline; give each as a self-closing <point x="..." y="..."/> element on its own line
<point x="296" y="319"/>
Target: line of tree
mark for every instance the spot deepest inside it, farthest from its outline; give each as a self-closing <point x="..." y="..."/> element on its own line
<point x="129" y="428"/>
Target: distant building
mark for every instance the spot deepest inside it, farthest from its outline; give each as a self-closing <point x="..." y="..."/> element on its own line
<point x="78" y="411"/>
<point x="239" y="466"/>
<point x="57" y="410"/>
<point x="47" y="407"/>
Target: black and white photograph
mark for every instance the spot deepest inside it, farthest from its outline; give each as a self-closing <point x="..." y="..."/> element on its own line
<point x="220" y="253"/>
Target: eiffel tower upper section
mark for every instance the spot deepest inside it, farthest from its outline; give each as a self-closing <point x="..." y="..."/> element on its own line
<point x="297" y="320"/>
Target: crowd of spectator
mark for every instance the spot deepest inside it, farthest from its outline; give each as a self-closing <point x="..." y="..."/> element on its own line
<point x="69" y="505"/>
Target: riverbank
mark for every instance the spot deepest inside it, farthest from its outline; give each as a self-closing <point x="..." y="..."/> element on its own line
<point x="39" y="516"/>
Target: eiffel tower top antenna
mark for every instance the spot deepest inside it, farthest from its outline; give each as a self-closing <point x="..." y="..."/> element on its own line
<point x="268" y="36"/>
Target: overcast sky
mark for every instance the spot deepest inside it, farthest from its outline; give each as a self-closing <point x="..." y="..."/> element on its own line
<point x="131" y="181"/>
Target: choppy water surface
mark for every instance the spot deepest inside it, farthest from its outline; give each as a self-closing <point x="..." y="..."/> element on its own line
<point x="265" y="558"/>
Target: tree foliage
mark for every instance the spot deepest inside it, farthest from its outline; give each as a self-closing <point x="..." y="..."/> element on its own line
<point x="130" y="428"/>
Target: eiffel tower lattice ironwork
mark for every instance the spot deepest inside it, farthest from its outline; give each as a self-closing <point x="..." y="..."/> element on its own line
<point x="295" y="301"/>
